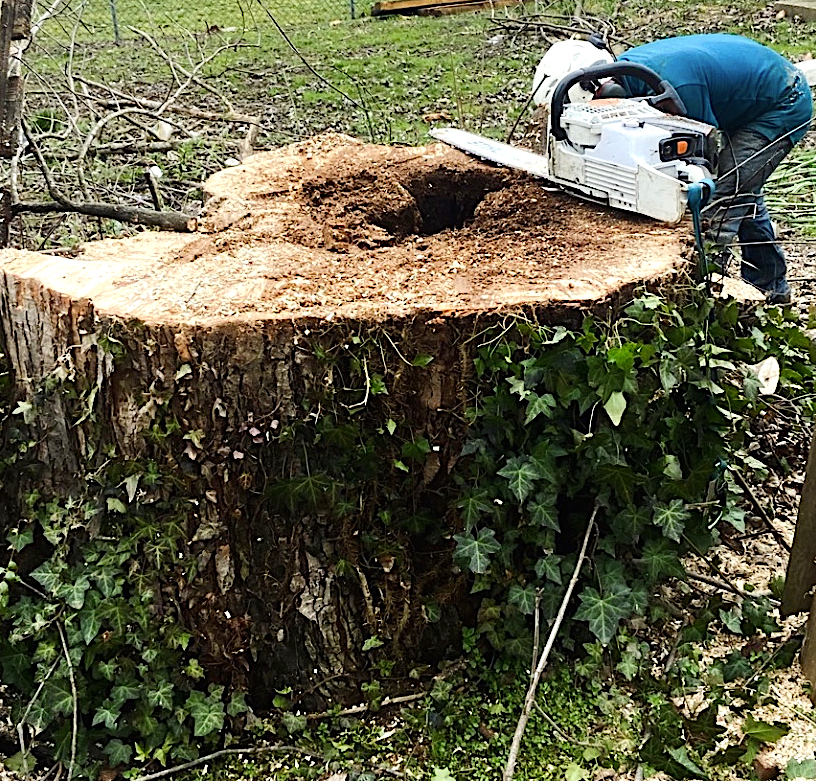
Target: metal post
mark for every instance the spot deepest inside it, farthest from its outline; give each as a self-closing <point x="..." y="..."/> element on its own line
<point x="115" y="21"/>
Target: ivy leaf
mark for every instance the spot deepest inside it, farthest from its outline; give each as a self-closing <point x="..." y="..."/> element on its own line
<point x="476" y="551"/>
<point x="116" y="614"/>
<point x="20" y="538"/>
<point x="124" y="692"/>
<point x="628" y="524"/>
<point x="417" y="449"/>
<point x="603" y="613"/>
<point x="108" y="669"/>
<point x="442" y="774"/>
<point x="517" y="386"/>
<point x="628" y="666"/>
<point x="732" y="619"/>
<point x="671" y="518"/>
<point x="661" y="560"/>
<point x="805" y="768"/>
<point x="57" y="697"/>
<point x="623" y="356"/>
<point x="574" y="772"/>
<point x="680" y="755"/>
<point x="762" y="731"/>
<point x="671" y="467"/>
<point x="105" y="580"/>
<point x="543" y="512"/>
<point x="237" y="704"/>
<point x="107" y="714"/>
<point x="473" y="506"/>
<point x="118" y="753"/>
<point x="539" y="405"/>
<point x="666" y="370"/>
<point x="48" y="574"/>
<point x="161" y="695"/>
<point x="293" y="723"/>
<point x="521" y="474"/>
<point x="523" y="598"/>
<point x="116" y="505"/>
<point x="549" y="567"/>
<point x="74" y="593"/>
<point x="615" y="407"/>
<point x="90" y="622"/>
<point x="207" y="712"/>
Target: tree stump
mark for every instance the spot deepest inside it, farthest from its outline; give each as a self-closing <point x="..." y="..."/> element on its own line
<point x="329" y="272"/>
<point x="800" y="577"/>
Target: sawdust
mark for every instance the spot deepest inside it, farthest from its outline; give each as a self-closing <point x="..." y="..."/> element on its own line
<point x="332" y="227"/>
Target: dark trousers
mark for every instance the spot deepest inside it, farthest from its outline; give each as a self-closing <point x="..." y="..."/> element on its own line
<point x="738" y="211"/>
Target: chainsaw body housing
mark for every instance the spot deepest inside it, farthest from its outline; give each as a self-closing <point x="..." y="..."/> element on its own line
<point x="630" y="155"/>
<point x="624" y="152"/>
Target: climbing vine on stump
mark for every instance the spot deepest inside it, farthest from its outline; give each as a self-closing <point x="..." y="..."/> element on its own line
<point x="351" y="505"/>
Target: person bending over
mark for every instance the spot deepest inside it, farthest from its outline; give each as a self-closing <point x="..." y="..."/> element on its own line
<point x="762" y="105"/>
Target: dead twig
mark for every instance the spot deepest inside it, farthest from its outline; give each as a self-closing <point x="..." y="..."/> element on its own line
<point x="723" y="586"/>
<point x="75" y="704"/>
<point x="529" y="700"/>
<point x="177" y="221"/>
<point x="760" y="510"/>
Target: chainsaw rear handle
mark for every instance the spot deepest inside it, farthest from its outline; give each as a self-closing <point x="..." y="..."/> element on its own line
<point x="665" y="97"/>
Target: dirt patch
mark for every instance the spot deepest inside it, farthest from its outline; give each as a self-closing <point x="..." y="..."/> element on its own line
<point x="334" y="227"/>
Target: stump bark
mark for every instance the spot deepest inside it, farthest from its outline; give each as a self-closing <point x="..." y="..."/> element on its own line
<point x="326" y="273"/>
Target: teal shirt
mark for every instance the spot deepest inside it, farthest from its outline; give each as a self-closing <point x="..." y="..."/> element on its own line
<point x="729" y="82"/>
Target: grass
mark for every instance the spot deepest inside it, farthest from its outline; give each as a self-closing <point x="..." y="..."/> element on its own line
<point x="461" y="730"/>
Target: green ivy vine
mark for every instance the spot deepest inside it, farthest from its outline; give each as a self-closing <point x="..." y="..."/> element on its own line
<point x="647" y="415"/>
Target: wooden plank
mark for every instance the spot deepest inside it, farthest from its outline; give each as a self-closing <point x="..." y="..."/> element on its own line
<point x="410" y="6"/>
<point x="801" y="575"/>
<point x="804" y="9"/>
<point x="466" y="6"/>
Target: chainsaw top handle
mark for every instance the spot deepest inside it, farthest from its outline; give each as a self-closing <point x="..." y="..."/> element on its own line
<point x="665" y="97"/>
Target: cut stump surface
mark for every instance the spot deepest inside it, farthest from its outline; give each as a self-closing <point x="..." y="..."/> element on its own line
<point x="333" y="227"/>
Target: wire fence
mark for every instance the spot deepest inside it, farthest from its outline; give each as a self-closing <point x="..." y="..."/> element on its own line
<point x="117" y="21"/>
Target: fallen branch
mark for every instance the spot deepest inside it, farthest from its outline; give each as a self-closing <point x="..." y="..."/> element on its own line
<point x="529" y="700"/>
<point x="724" y="586"/>
<point x="173" y="221"/>
<point x="225" y="752"/>
<point x="177" y="221"/>
<point x="74" y="701"/>
<point x="761" y="510"/>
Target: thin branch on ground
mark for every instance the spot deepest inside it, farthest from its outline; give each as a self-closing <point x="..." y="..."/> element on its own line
<point x="760" y="510"/>
<point x="529" y="700"/>
<point x="74" y="700"/>
<point x="170" y="220"/>
<point x="724" y="586"/>
<point x="277" y="748"/>
<point x="223" y="753"/>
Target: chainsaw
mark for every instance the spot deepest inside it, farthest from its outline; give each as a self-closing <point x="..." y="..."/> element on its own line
<point x="640" y="155"/>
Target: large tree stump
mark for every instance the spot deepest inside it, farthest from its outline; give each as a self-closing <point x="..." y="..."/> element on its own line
<point x="326" y="270"/>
